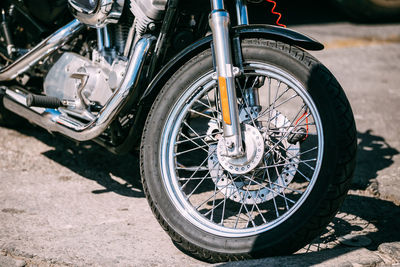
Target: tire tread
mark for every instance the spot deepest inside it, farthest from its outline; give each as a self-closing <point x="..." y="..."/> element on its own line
<point x="337" y="189"/>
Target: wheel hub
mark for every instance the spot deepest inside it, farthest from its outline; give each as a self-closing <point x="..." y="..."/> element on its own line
<point x="228" y="173"/>
<point x="254" y="150"/>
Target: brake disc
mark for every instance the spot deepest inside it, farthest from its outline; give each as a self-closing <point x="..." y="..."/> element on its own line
<point x="256" y="177"/>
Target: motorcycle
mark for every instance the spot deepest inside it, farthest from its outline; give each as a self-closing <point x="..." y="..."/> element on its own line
<point x="247" y="143"/>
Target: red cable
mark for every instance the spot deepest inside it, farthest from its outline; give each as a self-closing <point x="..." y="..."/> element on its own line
<point x="276" y="13"/>
<point x="304" y="114"/>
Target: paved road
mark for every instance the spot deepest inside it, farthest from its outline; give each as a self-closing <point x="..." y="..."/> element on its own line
<point x="67" y="204"/>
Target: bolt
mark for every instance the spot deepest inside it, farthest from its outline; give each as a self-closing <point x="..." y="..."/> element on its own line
<point x="236" y="71"/>
<point x="151" y="26"/>
<point x="229" y="144"/>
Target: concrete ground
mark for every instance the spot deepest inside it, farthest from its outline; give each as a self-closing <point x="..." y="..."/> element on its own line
<point x="63" y="204"/>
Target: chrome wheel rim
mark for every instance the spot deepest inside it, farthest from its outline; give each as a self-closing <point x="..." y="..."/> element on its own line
<point x="207" y="198"/>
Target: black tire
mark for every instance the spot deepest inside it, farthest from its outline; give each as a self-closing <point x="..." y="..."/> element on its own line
<point x="370" y="10"/>
<point x="318" y="206"/>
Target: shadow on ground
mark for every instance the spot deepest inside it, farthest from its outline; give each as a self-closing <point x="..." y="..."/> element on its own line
<point x="362" y="215"/>
<point x="373" y="154"/>
<point x="116" y="173"/>
<point x="365" y="220"/>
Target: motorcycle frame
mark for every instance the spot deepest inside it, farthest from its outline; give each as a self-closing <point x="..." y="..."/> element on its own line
<point x="132" y="94"/>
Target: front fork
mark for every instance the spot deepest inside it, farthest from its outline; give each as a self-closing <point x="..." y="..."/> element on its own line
<point x="220" y="25"/>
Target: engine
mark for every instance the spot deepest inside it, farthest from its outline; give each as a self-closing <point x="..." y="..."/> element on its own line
<point x="86" y="82"/>
<point x="98" y="13"/>
<point x="147" y="11"/>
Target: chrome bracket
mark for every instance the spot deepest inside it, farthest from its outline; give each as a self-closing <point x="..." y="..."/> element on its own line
<point x="235" y="72"/>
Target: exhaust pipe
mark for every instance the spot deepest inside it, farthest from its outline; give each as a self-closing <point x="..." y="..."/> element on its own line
<point x="54" y="121"/>
<point x="40" y="51"/>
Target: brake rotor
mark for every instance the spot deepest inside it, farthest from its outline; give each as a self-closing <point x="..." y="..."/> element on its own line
<point x="239" y="180"/>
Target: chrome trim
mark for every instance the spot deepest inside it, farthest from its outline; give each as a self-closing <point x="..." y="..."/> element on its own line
<point x="43" y="49"/>
<point x="217" y="5"/>
<point x="107" y="40"/>
<point x="105" y="12"/>
<point x="100" y="40"/>
<point x="14" y="100"/>
<point x="241" y="12"/>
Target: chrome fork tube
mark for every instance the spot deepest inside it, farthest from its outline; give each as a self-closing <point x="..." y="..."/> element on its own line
<point x="241" y="12"/>
<point x="252" y="94"/>
<point x="217" y="5"/>
<point x="220" y="24"/>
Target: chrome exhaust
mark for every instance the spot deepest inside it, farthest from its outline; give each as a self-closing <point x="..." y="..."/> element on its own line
<point x="55" y="121"/>
<point x="40" y="51"/>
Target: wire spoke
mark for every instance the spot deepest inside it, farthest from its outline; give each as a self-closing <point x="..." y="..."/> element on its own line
<point x="255" y="205"/>
<point x="207" y="106"/>
<point x="246" y="101"/>
<point x="285" y="164"/>
<point x="283" y="181"/>
<point x="187" y="125"/>
<point x="288" y="188"/>
<point x="201" y="165"/>
<point x="219" y="191"/>
<point x="243" y="201"/>
<point x="269" y="189"/>
<point x="204" y="115"/>
<point x="215" y="196"/>
<point x="193" y="149"/>
<point x="273" y="198"/>
<point x="304" y="176"/>
<point x="196" y="138"/>
<point x="198" y="185"/>
<point x="193" y="142"/>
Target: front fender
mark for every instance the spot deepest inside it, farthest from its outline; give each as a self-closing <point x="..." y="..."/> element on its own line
<point x="278" y="34"/>
<point x="244" y="31"/>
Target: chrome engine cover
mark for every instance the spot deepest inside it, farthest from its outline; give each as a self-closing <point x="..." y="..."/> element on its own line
<point x="153" y="9"/>
<point x="81" y="81"/>
<point x="147" y="11"/>
<point x="96" y="13"/>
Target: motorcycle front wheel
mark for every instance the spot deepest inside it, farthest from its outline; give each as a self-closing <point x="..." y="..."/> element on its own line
<point x="300" y="139"/>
